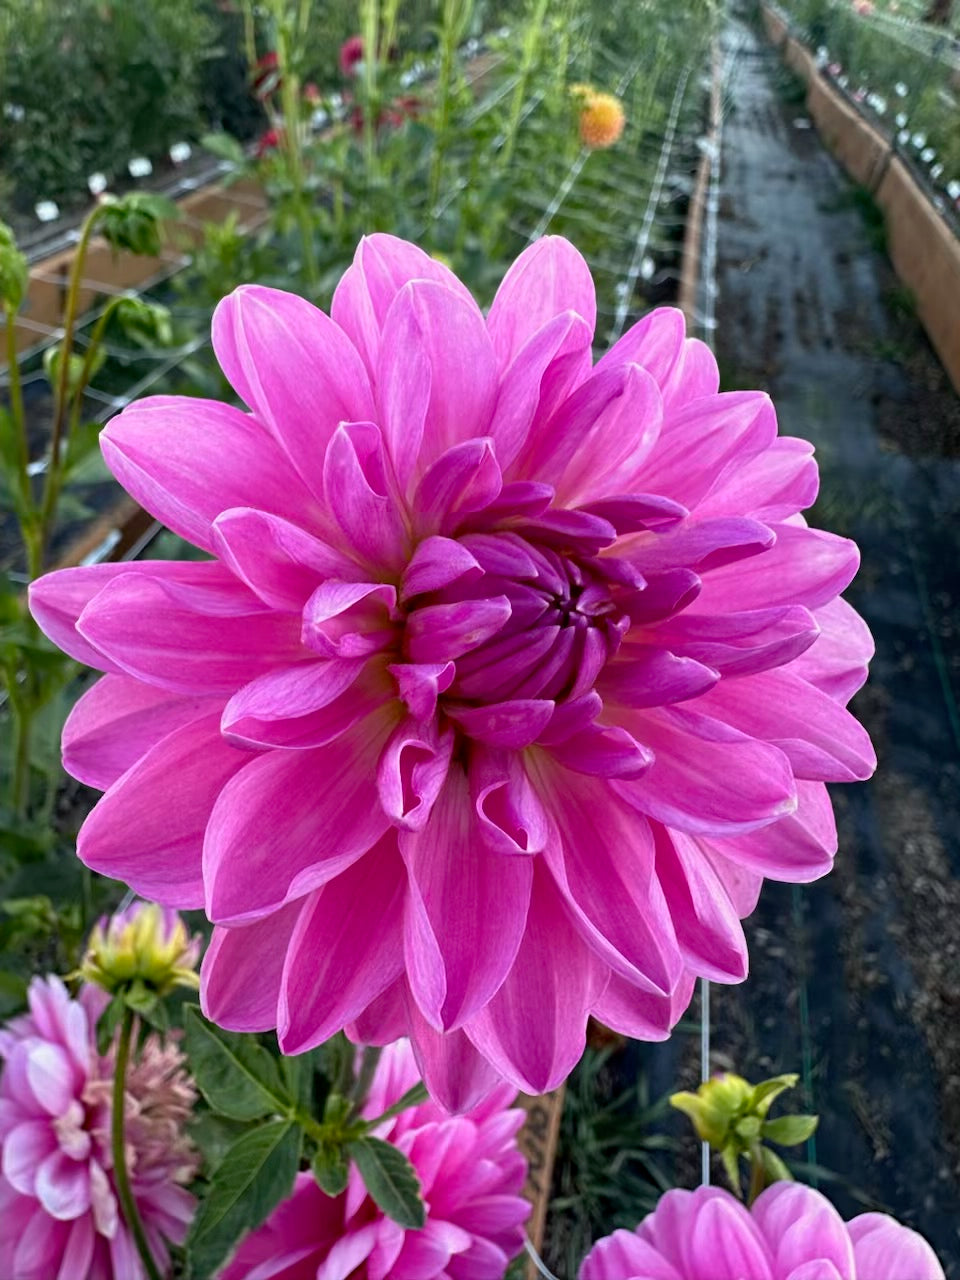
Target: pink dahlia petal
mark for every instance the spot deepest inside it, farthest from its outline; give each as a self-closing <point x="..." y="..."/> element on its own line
<point x="51" y="1076"/>
<point x="885" y="1249"/>
<point x="306" y="705"/>
<point x="208" y="641"/>
<point x="437" y="376"/>
<point x="25" y="1147"/>
<point x="345" y="950"/>
<point x="801" y="1226"/>
<point x="703" y="438"/>
<point x="547" y="367"/>
<point x="548" y="279"/>
<point x="511" y="816"/>
<point x="804" y="566"/>
<point x="187" y="460"/>
<point x="624" y="1256"/>
<point x="119" y="720"/>
<point x="437" y="563"/>
<point x="708" y="927"/>
<point x="702" y="545"/>
<point x="838" y="663"/>
<point x="62" y="1185"/>
<point x="349" y="619"/>
<point x="686" y="786"/>
<point x="457" y="1074"/>
<point x="257" y="858"/>
<point x="645" y="1015"/>
<point x="149" y="828"/>
<point x="770" y="486"/>
<point x="534" y="1029"/>
<point x="412" y="771"/>
<point x="737" y="644"/>
<point x="280" y="562"/>
<point x="821" y="740"/>
<point x="645" y="676"/>
<point x="464" y="479"/>
<point x="656" y="343"/>
<point x="243" y="968"/>
<point x="798" y="847"/>
<point x="382" y="265"/>
<point x="616" y="902"/>
<point x="264" y="340"/>
<point x="461" y="933"/>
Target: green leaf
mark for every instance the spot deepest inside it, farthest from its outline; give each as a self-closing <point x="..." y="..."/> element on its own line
<point x="774" y="1167"/>
<point x="415" y="1094"/>
<point x="331" y="1170"/>
<point x="225" y="146"/>
<point x="790" y="1131"/>
<point x="215" y="1135"/>
<point x="255" y="1174"/>
<point x="237" y="1076"/>
<point x="391" y="1180"/>
<point x="731" y="1167"/>
<point x="764" y="1093"/>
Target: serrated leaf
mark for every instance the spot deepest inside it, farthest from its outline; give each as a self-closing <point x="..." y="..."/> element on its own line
<point x="235" y="1074"/>
<point x="255" y="1174"/>
<point x="390" y="1179"/>
<point x="331" y="1170"/>
<point x="790" y="1131"/>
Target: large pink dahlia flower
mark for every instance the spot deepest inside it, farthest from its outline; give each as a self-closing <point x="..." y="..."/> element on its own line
<point x="470" y="1171"/>
<point x="791" y="1232"/>
<point x="59" y="1212"/>
<point x="510" y="677"/>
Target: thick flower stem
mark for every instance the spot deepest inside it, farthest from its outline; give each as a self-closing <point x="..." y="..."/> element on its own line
<point x="51" y="489"/>
<point x="128" y="1205"/>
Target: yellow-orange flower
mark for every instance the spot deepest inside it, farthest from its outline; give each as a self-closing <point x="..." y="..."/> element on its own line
<point x="601" y="120"/>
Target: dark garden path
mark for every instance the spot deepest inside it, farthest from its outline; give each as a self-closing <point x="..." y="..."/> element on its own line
<point x="856" y="980"/>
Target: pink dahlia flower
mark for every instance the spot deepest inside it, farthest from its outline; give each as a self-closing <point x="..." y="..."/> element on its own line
<point x="351" y="54"/>
<point x="509" y="679"/>
<point x="790" y="1233"/>
<point x="470" y="1170"/>
<point x="59" y="1213"/>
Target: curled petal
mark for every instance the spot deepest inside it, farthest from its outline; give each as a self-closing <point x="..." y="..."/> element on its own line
<point x="513" y="725"/>
<point x="463" y="480"/>
<point x="349" y="619"/>
<point x="281" y="563"/>
<point x="436" y="563"/>
<point x="359" y="493"/>
<point x="510" y="813"/>
<point x="420" y="684"/>
<point x="412" y="771"/>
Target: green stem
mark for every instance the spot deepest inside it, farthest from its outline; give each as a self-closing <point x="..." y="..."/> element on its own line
<point x="16" y="406"/>
<point x="757" y="1179"/>
<point x="22" y="722"/>
<point x="128" y="1204"/>
<point x="96" y="337"/>
<point x="293" y="146"/>
<point x="371" y="40"/>
<point x="531" y="44"/>
<point x="448" y="45"/>
<point x="51" y="488"/>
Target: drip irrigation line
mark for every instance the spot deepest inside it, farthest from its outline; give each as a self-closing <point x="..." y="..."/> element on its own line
<point x="538" y="1262"/>
<point x="704" y="1069"/>
<point x="628" y="284"/>
<point x="806" y="1040"/>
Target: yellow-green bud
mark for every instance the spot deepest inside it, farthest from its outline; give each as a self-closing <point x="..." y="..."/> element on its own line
<point x="145" y="944"/>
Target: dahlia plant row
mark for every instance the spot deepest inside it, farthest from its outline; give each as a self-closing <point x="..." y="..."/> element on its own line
<point x="504" y="681"/>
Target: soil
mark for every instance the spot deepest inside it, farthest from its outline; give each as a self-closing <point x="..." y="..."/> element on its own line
<point x="855" y="980"/>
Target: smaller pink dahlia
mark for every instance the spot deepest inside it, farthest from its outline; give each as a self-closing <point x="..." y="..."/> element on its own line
<point x="790" y="1233"/>
<point x="59" y="1214"/>
<point x="470" y="1171"/>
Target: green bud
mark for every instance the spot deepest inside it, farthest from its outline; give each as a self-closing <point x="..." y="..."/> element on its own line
<point x="14" y="272"/>
<point x="765" y="1092"/>
<point x="52" y="358"/>
<point x="146" y="323"/>
<point x="135" y="221"/>
<point x="748" y="1129"/>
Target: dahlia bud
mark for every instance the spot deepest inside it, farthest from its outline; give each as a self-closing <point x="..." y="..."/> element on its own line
<point x="731" y="1115"/>
<point x="601" y="119"/>
<point x="146" y="944"/>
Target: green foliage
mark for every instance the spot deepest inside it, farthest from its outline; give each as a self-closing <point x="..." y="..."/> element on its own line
<point x="237" y="1076"/>
<point x="390" y="1178"/>
<point x="255" y="1174"/>
<point x="97" y="82"/>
